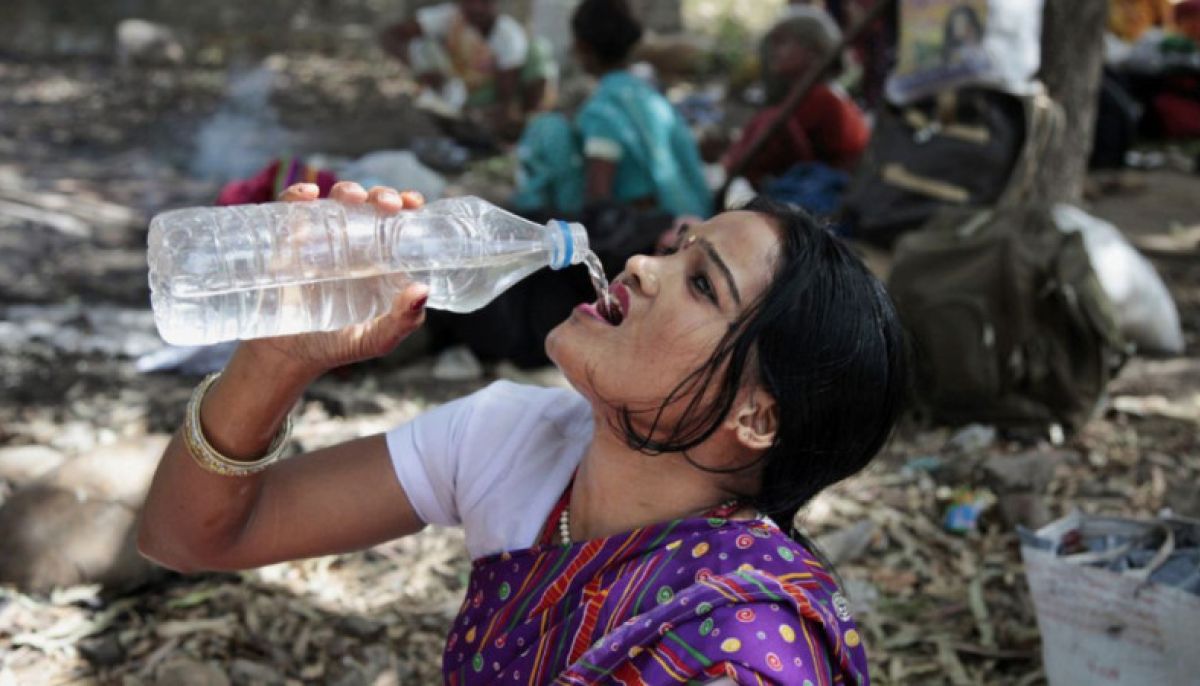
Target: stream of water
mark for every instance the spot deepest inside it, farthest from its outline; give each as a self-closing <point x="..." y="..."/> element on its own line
<point x="607" y="304"/>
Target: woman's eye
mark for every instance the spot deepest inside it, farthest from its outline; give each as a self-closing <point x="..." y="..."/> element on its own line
<point x="704" y="287"/>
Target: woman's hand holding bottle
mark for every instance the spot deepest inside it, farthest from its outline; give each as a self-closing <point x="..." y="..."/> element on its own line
<point x="312" y="354"/>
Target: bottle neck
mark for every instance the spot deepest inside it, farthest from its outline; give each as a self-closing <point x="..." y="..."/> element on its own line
<point x="568" y="243"/>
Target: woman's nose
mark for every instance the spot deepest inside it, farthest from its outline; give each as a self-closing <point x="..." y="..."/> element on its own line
<point x="644" y="270"/>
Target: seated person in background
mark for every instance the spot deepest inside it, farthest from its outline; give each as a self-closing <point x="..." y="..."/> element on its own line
<point x="271" y="180"/>
<point x="1176" y="105"/>
<point x="1187" y="20"/>
<point x="827" y="127"/>
<point x="636" y="149"/>
<point x="1149" y="58"/>
<point x="476" y="58"/>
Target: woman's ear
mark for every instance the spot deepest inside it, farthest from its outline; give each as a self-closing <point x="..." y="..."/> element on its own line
<point x="755" y="421"/>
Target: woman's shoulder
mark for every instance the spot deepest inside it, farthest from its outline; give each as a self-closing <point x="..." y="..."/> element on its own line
<point x="831" y="97"/>
<point x="759" y="546"/>
<point x="624" y="102"/>
<point x="763" y="566"/>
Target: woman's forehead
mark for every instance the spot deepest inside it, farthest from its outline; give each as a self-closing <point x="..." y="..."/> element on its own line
<point x="740" y="228"/>
<point x="747" y="241"/>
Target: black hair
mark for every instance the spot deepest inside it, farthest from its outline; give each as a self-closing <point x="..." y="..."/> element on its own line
<point x="608" y="28"/>
<point x="824" y="340"/>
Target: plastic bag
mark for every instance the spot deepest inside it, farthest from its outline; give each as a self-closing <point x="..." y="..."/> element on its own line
<point x="1145" y="311"/>
<point x="396" y="168"/>
<point x="947" y="44"/>
<point x="1113" y="599"/>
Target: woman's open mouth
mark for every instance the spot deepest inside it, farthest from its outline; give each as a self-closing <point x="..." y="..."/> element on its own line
<point x="611" y="308"/>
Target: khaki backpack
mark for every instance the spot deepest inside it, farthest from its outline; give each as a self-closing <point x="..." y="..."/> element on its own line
<point x="1008" y="322"/>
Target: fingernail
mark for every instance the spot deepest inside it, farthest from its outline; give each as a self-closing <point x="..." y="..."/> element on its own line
<point x="418" y="303"/>
<point x="389" y="196"/>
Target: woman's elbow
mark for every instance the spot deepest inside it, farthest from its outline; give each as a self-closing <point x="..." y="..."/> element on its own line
<point x="166" y="549"/>
<point x="150" y="545"/>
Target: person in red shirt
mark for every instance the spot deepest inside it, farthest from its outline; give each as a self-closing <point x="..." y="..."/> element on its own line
<point x="1187" y="19"/>
<point x="826" y="127"/>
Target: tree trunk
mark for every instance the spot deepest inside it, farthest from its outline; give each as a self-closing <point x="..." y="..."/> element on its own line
<point x="660" y="16"/>
<point x="1072" y="57"/>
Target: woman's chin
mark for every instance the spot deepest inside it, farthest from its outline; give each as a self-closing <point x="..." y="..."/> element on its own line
<point x="563" y="351"/>
<point x="554" y="345"/>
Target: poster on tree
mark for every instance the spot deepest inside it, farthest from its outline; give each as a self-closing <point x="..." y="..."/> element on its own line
<point x="946" y="44"/>
<point x="940" y="33"/>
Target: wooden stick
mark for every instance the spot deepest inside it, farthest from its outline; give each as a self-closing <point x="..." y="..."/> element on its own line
<point x="88" y="210"/>
<point x="61" y="222"/>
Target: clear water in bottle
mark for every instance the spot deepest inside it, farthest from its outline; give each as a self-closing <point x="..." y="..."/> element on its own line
<point x="281" y="268"/>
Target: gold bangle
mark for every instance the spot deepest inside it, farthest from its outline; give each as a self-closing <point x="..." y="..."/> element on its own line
<point x="208" y="458"/>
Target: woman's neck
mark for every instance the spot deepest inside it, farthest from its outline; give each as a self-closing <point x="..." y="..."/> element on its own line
<point x="599" y="71"/>
<point x="617" y="489"/>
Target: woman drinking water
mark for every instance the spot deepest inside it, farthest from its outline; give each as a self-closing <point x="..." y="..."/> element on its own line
<point x="632" y="529"/>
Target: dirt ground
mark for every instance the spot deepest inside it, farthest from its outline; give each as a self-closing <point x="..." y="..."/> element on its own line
<point x="88" y="153"/>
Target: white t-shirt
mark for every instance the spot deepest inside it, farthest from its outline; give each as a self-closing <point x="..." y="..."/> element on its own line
<point x="494" y="462"/>
<point x="507" y="40"/>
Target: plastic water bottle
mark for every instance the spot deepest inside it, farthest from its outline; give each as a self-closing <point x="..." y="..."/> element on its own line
<point x="249" y="271"/>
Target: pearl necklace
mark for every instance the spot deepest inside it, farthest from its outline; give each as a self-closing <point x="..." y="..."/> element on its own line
<point x="564" y="519"/>
<point x="564" y="526"/>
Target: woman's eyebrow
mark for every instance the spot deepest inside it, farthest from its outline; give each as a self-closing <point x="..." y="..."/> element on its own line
<point x="711" y="251"/>
<point x="681" y="234"/>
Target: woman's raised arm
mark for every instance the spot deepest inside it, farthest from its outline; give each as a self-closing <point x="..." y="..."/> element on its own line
<point x="340" y="498"/>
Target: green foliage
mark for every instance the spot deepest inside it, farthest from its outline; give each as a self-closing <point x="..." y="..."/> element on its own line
<point x="733" y="28"/>
<point x="733" y="44"/>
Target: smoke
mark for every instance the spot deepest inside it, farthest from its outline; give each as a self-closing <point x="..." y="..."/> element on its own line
<point x="245" y="133"/>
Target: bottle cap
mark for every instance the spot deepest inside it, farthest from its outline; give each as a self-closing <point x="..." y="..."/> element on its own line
<point x="570" y="244"/>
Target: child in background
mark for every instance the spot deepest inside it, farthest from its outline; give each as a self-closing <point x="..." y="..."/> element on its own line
<point x="1187" y="20"/>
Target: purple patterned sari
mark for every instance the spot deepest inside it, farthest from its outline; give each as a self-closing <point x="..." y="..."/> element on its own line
<point x="688" y="601"/>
